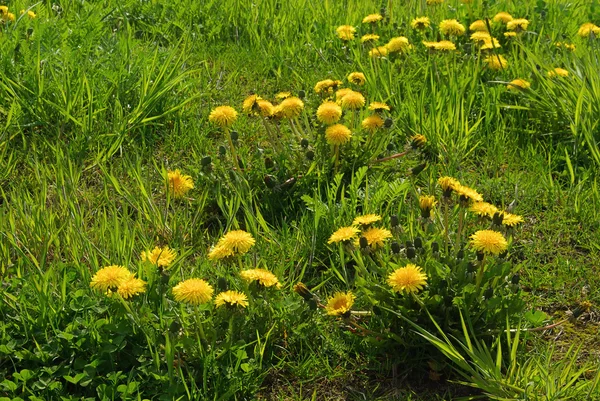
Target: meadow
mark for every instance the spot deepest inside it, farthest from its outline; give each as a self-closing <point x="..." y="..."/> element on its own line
<point x="289" y="200"/>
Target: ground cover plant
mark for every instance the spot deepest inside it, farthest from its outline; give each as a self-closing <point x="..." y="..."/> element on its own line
<point x="302" y="199"/>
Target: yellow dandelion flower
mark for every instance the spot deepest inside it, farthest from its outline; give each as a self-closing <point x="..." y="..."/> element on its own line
<point x="231" y="299"/>
<point x="109" y="277"/>
<point x="345" y="32"/>
<point x="378" y="107"/>
<point x="496" y="62"/>
<point x="426" y="204"/>
<point x="480" y="37"/>
<point x="159" y="256"/>
<point x="329" y="113"/>
<point x="179" y="184"/>
<point x="369" y="37"/>
<point x="503" y="17"/>
<point x="341" y="93"/>
<point x="357" y="78"/>
<point x="558" y="72"/>
<point x="337" y="134"/>
<point x="588" y="29"/>
<point x="249" y="103"/>
<point x="283" y="95"/>
<point x="444" y="45"/>
<point x="372" y="18"/>
<point x="418" y="141"/>
<point x="478" y="25"/>
<point x="9" y="17"/>
<point x="131" y="287"/>
<point x="518" y="85"/>
<point x="30" y="14"/>
<point x="429" y="45"/>
<point x="511" y="220"/>
<point x="261" y="276"/>
<point x="223" y="116"/>
<point x="420" y="23"/>
<point x="3" y="9"/>
<point x="327" y="85"/>
<point x="483" y="209"/>
<point x="278" y="112"/>
<point x="448" y="184"/>
<point x="265" y="108"/>
<point x="372" y="122"/>
<point x="409" y="278"/>
<point x="220" y="252"/>
<point x="340" y="304"/>
<point x="366" y="220"/>
<point x="353" y="100"/>
<point x="292" y="107"/>
<point x="343" y="234"/>
<point x="509" y="35"/>
<point x="489" y="241"/>
<point x="193" y="291"/>
<point x="398" y="44"/>
<point x="237" y="241"/>
<point x="567" y="46"/>
<point x="517" y="25"/>
<point x="467" y="193"/>
<point x="434" y="2"/>
<point x="452" y="27"/>
<point x="378" y="52"/>
<point x="492" y="43"/>
<point x="376" y="236"/>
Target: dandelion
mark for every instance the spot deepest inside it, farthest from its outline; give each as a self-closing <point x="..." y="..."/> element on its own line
<point x="420" y="23"/>
<point x="131" y="287"/>
<point x="558" y="72"/>
<point x="283" y="95"/>
<point x="434" y="2"/>
<point x="327" y="85"/>
<point x="353" y="100"/>
<point x="452" y="27"/>
<point x="193" y="291"/>
<point x="329" y="113"/>
<point x="366" y="220"/>
<point x="418" y="141"/>
<point x="237" y="241"/>
<point x="517" y="25"/>
<point x="372" y="18"/>
<point x="340" y="304"/>
<point x="179" y="184"/>
<point x="378" y="107"/>
<point x="9" y="17"/>
<point x="429" y="45"/>
<point x="345" y="32"/>
<point x="511" y="220"/>
<point x="372" y="122"/>
<point x="220" y="252"/>
<point x="30" y="14"/>
<point x="509" y="35"/>
<point x="426" y="204"/>
<point x="261" y="276"/>
<point x="444" y="45"/>
<point x="480" y="37"/>
<point x="231" y="299"/>
<point x="398" y="44"/>
<point x="587" y="29"/>
<point x="343" y="234"/>
<point x="378" y="52"/>
<point x="496" y="62"/>
<point x="517" y="85"/>
<point x="357" y="78"/>
<point x="492" y="43"/>
<point x="337" y="134"/>
<point x="265" y="108"/>
<point x="448" y="184"/>
<point x="341" y="93"/>
<point x="110" y="277"/>
<point x="489" y="241"/>
<point x="292" y="107"/>
<point x="567" y="46"/>
<point x="478" y="25"/>
<point x="369" y="37"/>
<point x="409" y="278"/>
<point x="249" y="102"/>
<point x="223" y="116"/>
<point x="503" y="17"/>
<point x="3" y="10"/>
<point x="467" y="194"/>
<point x="162" y="257"/>
<point x="483" y="209"/>
<point x="376" y="236"/>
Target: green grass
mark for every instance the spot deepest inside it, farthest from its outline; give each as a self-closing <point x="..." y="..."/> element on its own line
<point x="98" y="100"/>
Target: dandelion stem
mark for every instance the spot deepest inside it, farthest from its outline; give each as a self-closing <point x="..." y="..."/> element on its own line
<point x="233" y="151"/>
<point x="336" y="150"/>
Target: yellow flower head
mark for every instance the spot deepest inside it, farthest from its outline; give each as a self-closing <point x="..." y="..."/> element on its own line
<point x="179" y="184"/>
<point x="341" y="93"/>
<point x="353" y="100"/>
<point x="193" y="291"/>
<point x="9" y="17"/>
<point x="249" y="103"/>
<point x="418" y="141"/>
<point x="558" y="72"/>
<point x="340" y="304"/>
<point x="265" y="108"/>
<point x="398" y="44"/>
<point x="467" y="194"/>
<point x="376" y="236"/>
<point x="162" y="257"/>
<point x="567" y="46"/>
<point x="372" y="18"/>
<point x="329" y="113"/>
<point x="261" y="276"/>
<point x="409" y="278"/>
<point x="503" y="17"/>
<point x="3" y="10"/>
<point x="496" y="62"/>
<point x="518" y="85"/>
<point x="357" y="78"/>
<point x="426" y="204"/>
<point x="420" y="23"/>
<point x="429" y="45"/>
<point x="448" y="184"/>
<point x="237" y="241"/>
<point x="30" y="14"/>
<point x="366" y="220"/>
<point x="109" y="277"/>
<point x="369" y="37"/>
<point x="444" y="45"/>
<point x="220" y="252"/>
<point x="343" y="234"/>
<point x="509" y="35"/>
<point x="283" y="95"/>
<point x="489" y="241"/>
<point x="480" y="37"/>
<point x="517" y="25"/>
<point x="434" y="2"/>
<point x="327" y="85"/>
<point x="131" y="287"/>
<point x="345" y="32"/>
<point x="231" y="299"/>
<point x="337" y="134"/>
<point x="378" y="107"/>
<point x="588" y="29"/>
<point x="452" y="27"/>
<point x="483" y="209"/>
<point x="292" y="107"/>
<point x="372" y="122"/>
<point x="378" y="52"/>
<point x="511" y="220"/>
<point x="223" y="116"/>
<point x="478" y="25"/>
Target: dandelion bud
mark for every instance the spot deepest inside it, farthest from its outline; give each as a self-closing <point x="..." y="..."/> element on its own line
<point x="460" y="254"/>
<point x="388" y="122"/>
<point x="418" y="243"/>
<point x="408" y="244"/>
<point x="480" y="256"/>
<point x="304" y="143"/>
<point x="206" y="161"/>
<point x="411" y="253"/>
<point x="583" y="307"/>
<point x="488" y="293"/>
<point x="222" y="150"/>
<point x="395" y="247"/>
<point x="301" y="94"/>
<point x="471" y="267"/>
<point x="310" y="155"/>
<point x="435" y="247"/>
<point x="418" y="169"/>
<point x="394" y="221"/>
<point x="234" y="135"/>
<point x="363" y="242"/>
<point x="303" y="291"/>
<point x="515" y="279"/>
